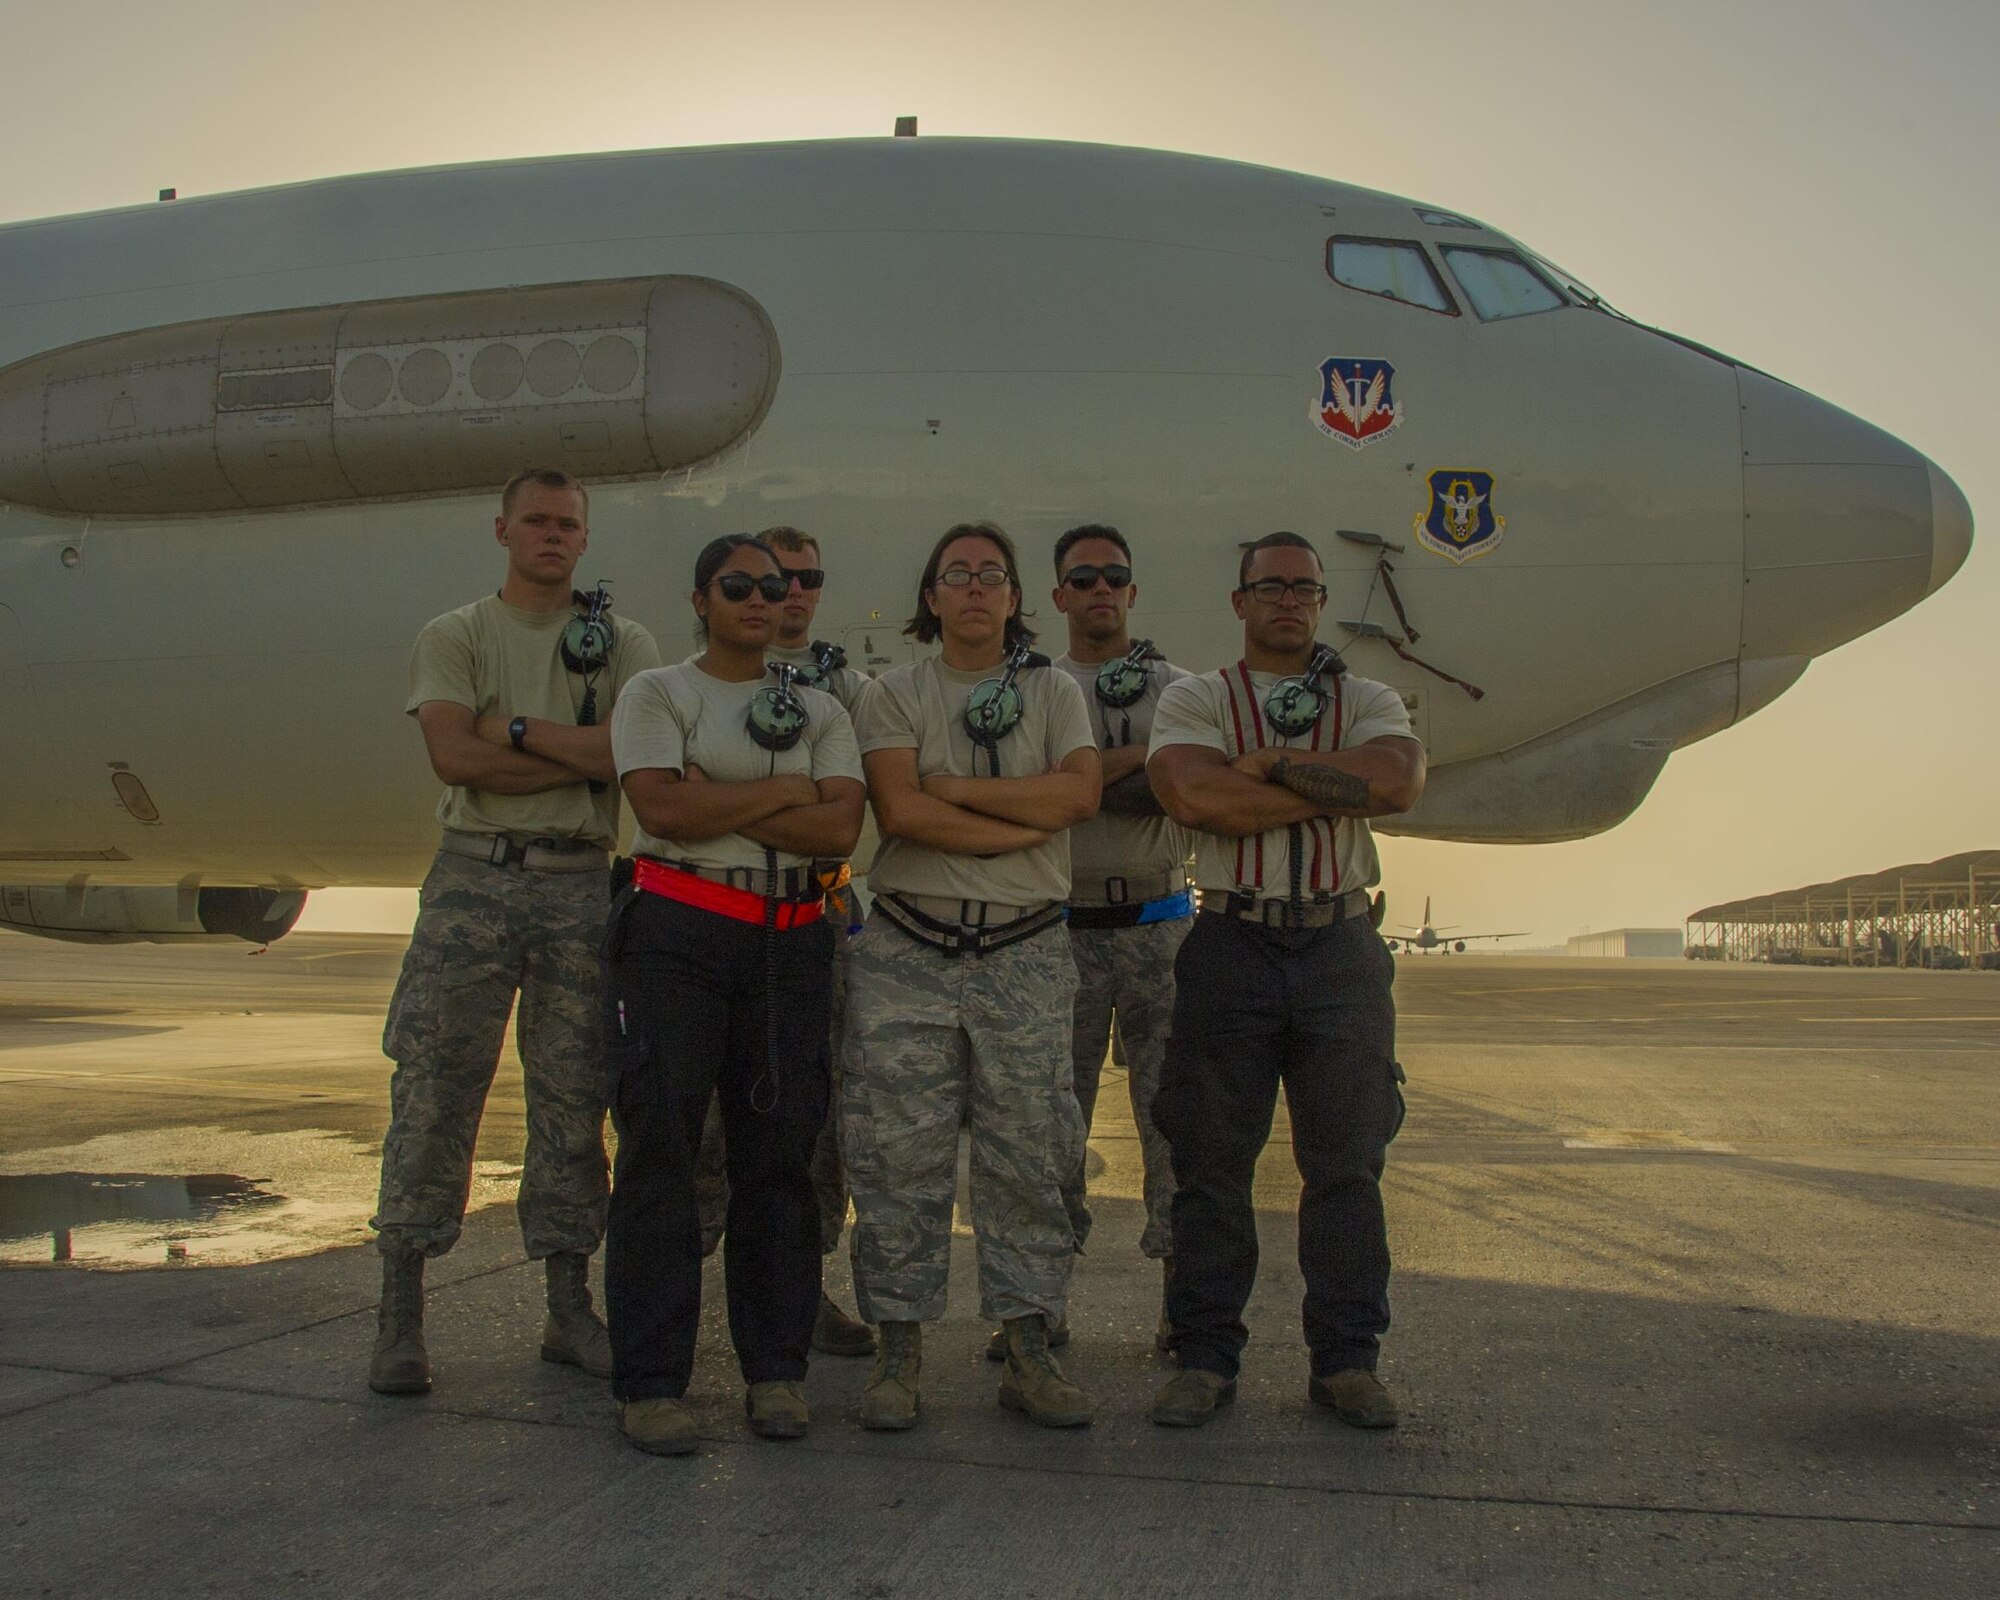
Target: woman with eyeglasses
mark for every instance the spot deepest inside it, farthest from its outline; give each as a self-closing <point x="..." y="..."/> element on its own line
<point x="959" y="992"/>
<point x="718" y="970"/>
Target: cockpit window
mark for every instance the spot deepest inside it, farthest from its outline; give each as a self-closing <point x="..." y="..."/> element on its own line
<point x="1396" y="269"/>
<point x="1500" y="284"/>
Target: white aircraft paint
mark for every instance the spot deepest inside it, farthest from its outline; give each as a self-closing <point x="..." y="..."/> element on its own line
<point x="1041" y="334"/>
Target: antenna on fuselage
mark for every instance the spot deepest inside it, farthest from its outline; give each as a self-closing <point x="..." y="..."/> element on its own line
<point x="906" y="127"/>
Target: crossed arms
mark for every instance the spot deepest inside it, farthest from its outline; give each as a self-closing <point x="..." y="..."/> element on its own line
<point x="981" y="816"/>
<point x="1274" y="787"/>
<point x="476" y="752"/>
<point x="790" y="812"/>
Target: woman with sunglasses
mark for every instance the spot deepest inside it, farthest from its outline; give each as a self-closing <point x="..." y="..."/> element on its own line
<point x="959" y="992"/>
<point x="718" y="964"/>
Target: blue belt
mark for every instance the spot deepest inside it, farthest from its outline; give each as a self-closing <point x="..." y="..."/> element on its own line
<point x="1168" y="908"/>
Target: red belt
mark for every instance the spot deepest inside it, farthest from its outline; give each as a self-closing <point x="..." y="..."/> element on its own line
<point x="670" y="883"/>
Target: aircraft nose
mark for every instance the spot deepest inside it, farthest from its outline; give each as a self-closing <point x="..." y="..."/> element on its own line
<point x="1844" y="525"/>
<point x="1951" y="528"/>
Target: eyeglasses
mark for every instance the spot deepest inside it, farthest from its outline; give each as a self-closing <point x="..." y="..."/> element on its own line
<point x="1086" y="577"/>
<point x="810" y="578"/>
<point x="736" y="586"/>
<point x="1272" y="590"/>
<point x="988" y="577"/>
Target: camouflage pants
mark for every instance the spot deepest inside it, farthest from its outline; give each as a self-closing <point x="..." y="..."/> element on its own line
<point x="1129" y="971"/>
<point x="935" y="1043"/>
<point x="829" y="1178"/>
<point x="483" y="933"/>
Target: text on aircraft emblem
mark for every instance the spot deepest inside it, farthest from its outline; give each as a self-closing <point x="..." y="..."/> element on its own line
<point x="1460" y="522"/>
<point x="1357" y="404"/>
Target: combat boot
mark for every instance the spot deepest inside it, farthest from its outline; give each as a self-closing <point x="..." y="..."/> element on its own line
<point x="1357" y="1397"/>
<point x="996" y="1343"/>
<point x="1163" y="1335"/>
<point x="838" y="1334"/>
<point x="572" y="1332"/>
<point x="777" y="1409"/>
<point x="891" y="1400"/>
<point x="660" y="1427"/>
<point x="1033" y="1384"/>
<point x="400" y="1364"/>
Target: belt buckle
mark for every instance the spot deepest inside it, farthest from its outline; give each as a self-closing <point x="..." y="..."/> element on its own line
<point x="506" y="852"/>
<point x="1274" y="913"/>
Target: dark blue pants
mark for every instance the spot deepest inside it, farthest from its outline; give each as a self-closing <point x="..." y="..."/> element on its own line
<point x="1311" y="1009"/>
<point x="694" y="1021"/>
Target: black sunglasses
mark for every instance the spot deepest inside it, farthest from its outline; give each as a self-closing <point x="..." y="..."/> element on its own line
<point x="736" y="586"/>
<point x="809" y="577"/>
<point x="1086" y="577"/>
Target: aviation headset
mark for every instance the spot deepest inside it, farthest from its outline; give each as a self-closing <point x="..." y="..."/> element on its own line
<point x="993" y="709"/>
<point x="586" y="643"/>
<point x="1295" y="704"/>
<point x="827" y="660"/>
<point x="1122" y="683"/>
<point x="777" y="718"/>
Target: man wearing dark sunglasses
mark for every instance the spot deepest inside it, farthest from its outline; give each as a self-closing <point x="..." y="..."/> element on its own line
<point x="1277" y="762"/>
<point x="1129" y="905"/>
<point x="514" y="695"/>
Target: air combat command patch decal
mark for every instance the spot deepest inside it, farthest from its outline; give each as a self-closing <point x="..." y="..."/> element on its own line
<point x="1460" y="522"/>
<point x="1357" y="404"/>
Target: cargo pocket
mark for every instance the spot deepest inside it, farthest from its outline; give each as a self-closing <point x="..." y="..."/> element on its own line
<point x="1398" y="1108"/>
<point x="413" y="1009"/>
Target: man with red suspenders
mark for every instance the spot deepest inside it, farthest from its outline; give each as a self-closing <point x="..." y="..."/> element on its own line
<point x="1276" y="762"/>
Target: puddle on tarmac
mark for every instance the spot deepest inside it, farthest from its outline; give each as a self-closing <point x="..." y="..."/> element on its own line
<point x="198" y="1197"/>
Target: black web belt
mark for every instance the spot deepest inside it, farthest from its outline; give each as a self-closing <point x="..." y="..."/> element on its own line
<point x="965" y="938"/>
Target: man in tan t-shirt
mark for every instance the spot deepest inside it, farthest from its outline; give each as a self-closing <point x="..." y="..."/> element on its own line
<point x="1277" y="762"/>
<point x="514" y="696"/>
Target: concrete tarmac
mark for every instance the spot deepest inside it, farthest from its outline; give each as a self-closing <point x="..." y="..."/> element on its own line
<point x="1695" y="1296"/>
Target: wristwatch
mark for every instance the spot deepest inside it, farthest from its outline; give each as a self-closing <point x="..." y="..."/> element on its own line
<point x="517" y="730"/>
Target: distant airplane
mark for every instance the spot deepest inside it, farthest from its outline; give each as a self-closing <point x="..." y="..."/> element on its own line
<point x="249" y="444"/>
<point x="1428" y="937"/>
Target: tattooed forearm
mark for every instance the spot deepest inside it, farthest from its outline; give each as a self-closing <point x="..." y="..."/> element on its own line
<point x="1326" y="787"/>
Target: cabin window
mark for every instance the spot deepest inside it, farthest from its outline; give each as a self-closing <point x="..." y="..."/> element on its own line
<point x="1393" y="268"/>
<point x="1500" y="284"/>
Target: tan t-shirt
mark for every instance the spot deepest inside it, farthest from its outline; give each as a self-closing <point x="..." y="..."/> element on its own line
<point x="676" y="715"/>
<point x="1225" y="711"/>
<point x="921" y="707"/>
<point x="1132" y="848"/>
<point x="497" y="659"/>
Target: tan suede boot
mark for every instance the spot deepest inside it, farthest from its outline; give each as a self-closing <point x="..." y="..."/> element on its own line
<point x="400" y="1363"/>
<point x="891" y="1400"/>
<point x="572" y="1332"/>
<point x="1033" y="1384"/>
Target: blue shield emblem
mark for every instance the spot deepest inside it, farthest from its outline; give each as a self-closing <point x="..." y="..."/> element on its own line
<point x="1460" y="522"/>
<point x="1357" y="403"/>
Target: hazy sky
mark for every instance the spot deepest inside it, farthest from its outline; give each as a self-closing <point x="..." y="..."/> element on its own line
<point x="1805" y="184"/>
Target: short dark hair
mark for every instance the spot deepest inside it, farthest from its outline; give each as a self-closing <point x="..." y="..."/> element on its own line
<point x="1272" y="541"/>
<point x="923" y="626"/>
<point x="547" y="478"/>
<point x="709" y="563"/>
<point x="794" y="541"/>
<point x="1090" y="530"/>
